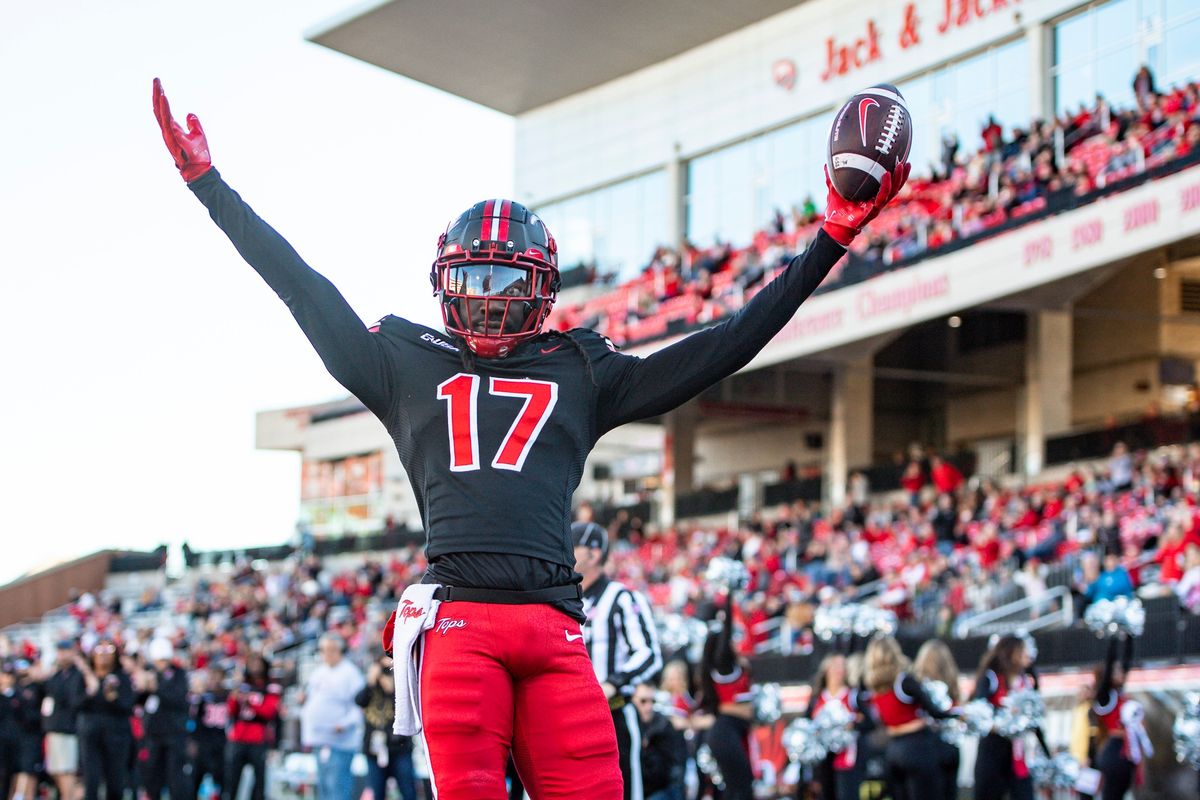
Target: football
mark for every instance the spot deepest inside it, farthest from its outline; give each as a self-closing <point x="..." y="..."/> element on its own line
<point x="871" y="135"/>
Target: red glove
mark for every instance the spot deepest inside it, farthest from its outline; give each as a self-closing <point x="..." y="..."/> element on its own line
<point x="189" y="148"/>
<point x="389" y="633"/>
<point x="845" y="219"/>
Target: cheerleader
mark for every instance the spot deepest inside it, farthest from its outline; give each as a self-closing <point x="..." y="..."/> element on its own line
<point x="1125" y="743"/>
<point x="839" y="774"/>
<point x="1000" y="770"/>
<point x="935" y="663"/>
<point x="725" y="681"/>
<point x="902" y="707"/>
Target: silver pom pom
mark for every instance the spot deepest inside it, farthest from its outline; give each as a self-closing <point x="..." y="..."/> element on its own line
<point x="871" y="620"/>
<point x="952" y="731"/>
<point x="977" y="718"/>
<point x="707" y="763"/>
<point x="801" y="743"/>
<point x="767" y="703"/>
<point x="1041" y="768"/>
<point x="677" y="632"/>
<point x="1059" y="772"/>
<point x="861" y="619"/>
<point x="1187" y="740"/>
<point x="1019" y="712"/>
<point x="830" y="622"/>
<point x="1066" y="771"/>
<point x="834" y="727"/>
<point x="1110" y="617"/>
<point x="1191" y="704"/>
<point x="939" y="694"/>
<point x="727" y="573"/>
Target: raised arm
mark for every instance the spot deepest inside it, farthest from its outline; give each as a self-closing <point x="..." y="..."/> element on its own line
<point x="638" y="388"/>
<point x="353" y="356"/>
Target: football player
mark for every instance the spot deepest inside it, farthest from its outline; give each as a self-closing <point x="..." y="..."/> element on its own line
<point x="493" y="420"/>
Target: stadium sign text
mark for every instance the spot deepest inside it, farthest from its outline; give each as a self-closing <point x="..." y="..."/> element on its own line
<point x="842" y="58"/>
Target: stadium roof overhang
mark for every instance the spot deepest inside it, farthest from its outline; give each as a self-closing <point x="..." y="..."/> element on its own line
<point x="517" y="55"/>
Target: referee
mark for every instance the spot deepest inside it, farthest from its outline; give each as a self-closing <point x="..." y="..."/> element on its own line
<point x="621" y="640"/>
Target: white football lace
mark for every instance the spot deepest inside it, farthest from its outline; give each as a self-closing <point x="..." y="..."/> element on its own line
<point x="891" y="129"/>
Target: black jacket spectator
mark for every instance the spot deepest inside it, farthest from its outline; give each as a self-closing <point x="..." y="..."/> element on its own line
<point x="64" y="690"/>
<point x="379" y="711"/>
<point x="664" y="755"/>
<point x="167" y="706"/>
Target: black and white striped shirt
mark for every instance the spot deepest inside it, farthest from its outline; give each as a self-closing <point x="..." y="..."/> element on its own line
<point x="620" y="635"/>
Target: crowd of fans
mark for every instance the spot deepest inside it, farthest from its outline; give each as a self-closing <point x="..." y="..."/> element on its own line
<point x="1046" y="166"/>
<point x="945" y="547"/>
<point x="193" y="688"/>
<point x="181" y="689"/>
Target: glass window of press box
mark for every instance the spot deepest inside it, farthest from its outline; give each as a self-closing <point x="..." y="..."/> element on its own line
<point x="735" y="191"/>
<point x="956" y="100"/>
<point x="1100" y="48"/>
<point x="614" y="229"/>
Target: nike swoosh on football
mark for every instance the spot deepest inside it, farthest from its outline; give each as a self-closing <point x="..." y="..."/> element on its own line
<point x="571" y="638"/>
<point x="551" y="350"/>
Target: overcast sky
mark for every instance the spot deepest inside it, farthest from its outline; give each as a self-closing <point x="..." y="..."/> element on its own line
<point x="137" y="345"/>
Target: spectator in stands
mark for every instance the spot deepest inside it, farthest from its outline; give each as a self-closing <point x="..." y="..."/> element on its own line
<point x="388" y="755"/>
<point x="945" y="476"/>
<point x="105" y="737"/>
<point x="913" y="481"/>
<point x="162" y="689"/>
<point x="10" y="728"/>
<point x="676" y="683"/>
<point x="944" y="521"/>
<point x="28" y="700"/>
<point x="1031" y="578"/>
<point x="1120" y="468"/>
<point x="330" y="721"/>
<point x="1112" y="582"/>
<point x="1143" y="87"/>
<point x="60" y="711"/>
<point x="1173" y="547"/>
<point x="209" y="716"/>
<point x="1188" y="587"/>
<point x="254" y="709"/>
<point x="664" y="750"/>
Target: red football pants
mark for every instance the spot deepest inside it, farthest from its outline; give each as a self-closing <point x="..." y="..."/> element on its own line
<point x="499" y="678"/>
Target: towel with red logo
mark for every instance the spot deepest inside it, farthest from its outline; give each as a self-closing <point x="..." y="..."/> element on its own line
<point x="415" y="614"/>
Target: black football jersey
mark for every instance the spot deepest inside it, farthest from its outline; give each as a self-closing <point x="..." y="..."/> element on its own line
<point x="494" y="448"/>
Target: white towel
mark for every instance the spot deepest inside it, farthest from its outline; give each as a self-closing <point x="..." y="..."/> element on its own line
<point x="415" y="614"/>
<point x="1133" y="718"/>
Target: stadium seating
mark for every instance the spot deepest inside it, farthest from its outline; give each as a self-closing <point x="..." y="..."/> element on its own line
<point x="1048" y="168"/>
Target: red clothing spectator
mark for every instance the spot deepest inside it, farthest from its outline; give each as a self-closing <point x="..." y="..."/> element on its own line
<point x="913" y="480"/>
<point x="254" y="710"/>
<point x="946" y="476"/>
<point x="1170" y="555"/>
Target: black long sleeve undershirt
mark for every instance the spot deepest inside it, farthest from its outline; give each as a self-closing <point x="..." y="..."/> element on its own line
<point x="1104" y="690"/>
<point x="352" y="355"/>
<point x="724" y="659"/>
<point x="912" y="687"/>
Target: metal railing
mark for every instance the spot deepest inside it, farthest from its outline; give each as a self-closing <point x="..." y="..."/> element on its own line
<point x="1001" y="619"/>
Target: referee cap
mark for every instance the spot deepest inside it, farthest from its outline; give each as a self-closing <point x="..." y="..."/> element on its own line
<point x="591" y="535"/>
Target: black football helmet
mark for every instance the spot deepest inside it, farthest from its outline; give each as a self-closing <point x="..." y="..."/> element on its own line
<point x="496" y="274"/>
